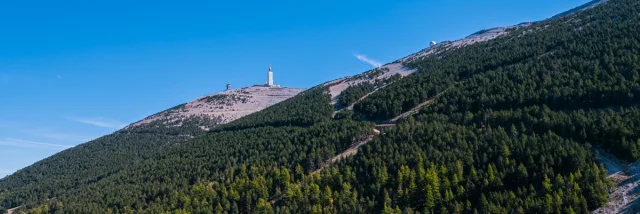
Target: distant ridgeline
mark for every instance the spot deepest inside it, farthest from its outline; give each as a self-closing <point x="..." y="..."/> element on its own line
<point x="507" y="128"/>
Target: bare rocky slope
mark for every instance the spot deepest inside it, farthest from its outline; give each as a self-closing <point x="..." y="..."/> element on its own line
<point x="624" y="198"/>
<point x="221" y="108"/>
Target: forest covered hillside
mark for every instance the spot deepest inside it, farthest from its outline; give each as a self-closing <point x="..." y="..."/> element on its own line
<point x="512" y="124"/>
<point x="92" y="161"/>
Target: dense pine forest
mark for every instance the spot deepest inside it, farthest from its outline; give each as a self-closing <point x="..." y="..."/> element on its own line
<point x="514" y="130"/>
<point x="90" y="162"/>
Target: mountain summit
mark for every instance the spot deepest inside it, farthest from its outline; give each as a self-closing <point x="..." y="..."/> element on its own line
<point x="220" y="108"/>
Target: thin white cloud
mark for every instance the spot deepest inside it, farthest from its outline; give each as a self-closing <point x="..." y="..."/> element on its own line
<point x="48" y="133"/>
<point x="100" y="122"/>
<point x="57" y="135"/>
<point x="65" y="137"/>
<point x="31" y="144"/>
<point x="368" y="60"/>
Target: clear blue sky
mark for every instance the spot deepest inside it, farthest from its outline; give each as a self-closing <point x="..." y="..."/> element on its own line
<point x="71" y="71"/>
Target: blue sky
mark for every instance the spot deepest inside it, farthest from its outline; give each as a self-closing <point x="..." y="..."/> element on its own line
<point x="71" y="71"/>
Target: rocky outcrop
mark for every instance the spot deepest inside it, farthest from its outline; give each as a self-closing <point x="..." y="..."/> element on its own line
<point x="222" y="107"/>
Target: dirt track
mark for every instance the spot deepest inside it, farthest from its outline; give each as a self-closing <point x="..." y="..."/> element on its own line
<point x="346" y="153"/>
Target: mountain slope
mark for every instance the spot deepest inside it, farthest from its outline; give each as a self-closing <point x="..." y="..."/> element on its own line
<point x="511" y="131"/>
<point x="90" y="162"/>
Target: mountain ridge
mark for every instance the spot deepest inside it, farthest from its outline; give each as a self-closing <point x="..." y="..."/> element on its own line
<point x="224" y="106"/>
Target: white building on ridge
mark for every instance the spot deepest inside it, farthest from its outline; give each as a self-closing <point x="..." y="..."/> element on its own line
<point x="270" y="79"/>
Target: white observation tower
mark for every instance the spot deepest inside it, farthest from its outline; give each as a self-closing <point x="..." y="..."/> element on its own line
<point x="270" y="77"/>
